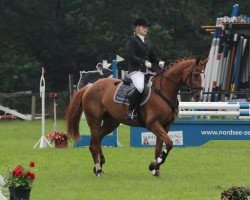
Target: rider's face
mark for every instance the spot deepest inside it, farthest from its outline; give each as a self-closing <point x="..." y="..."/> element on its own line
<point x="142" y="30"/>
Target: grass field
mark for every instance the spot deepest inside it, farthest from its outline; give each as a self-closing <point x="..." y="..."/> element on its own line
<point x="197" y="173"/>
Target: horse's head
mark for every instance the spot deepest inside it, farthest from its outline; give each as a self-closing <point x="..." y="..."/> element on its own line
<point x="192" y="79"/>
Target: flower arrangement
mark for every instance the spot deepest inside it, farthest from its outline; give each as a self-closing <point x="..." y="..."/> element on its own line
<point x="20" y="177"/>
<point x="236" y="192"/>
<point x="57" y="137"/>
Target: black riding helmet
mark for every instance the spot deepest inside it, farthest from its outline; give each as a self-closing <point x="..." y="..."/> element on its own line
<point x="99" y="65"/>
<point x="141" y="22"/>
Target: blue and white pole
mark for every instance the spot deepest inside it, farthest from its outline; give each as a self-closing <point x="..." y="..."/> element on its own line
<point x="115" y="75"/>
<point x="114" y="68"/>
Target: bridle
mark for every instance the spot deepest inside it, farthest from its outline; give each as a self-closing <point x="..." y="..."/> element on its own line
<point x="188" y="86"/>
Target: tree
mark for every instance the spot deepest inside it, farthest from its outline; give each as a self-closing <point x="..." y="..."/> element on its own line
<point x="69" y="36"/>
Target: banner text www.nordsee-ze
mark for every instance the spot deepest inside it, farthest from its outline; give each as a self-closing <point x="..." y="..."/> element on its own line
<point x="228" y="132"/>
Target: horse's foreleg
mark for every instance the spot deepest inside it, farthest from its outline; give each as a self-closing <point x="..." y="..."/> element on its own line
<point x="160" y="156"/>
<point x="154" y="167"/>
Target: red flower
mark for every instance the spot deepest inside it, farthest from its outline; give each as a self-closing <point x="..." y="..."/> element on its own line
<point x="32" y="164"/>
<point x="28" y="173"/>
<point x="57" y="137"/>
<point x="19" y="167"/>
<point x="19" y="176"/>
<point x="18" y="172"/>
<point x="32" y="176"/>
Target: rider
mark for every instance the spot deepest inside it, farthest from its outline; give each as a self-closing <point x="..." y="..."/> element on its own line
<point x="99" y="68"/>
<point x="140" y="57"/>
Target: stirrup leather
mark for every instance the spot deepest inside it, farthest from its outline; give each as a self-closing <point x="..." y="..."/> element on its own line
<point x="132" y="114"/>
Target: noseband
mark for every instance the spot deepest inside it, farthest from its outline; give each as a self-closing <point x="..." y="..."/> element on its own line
<point x="189" y="86"/>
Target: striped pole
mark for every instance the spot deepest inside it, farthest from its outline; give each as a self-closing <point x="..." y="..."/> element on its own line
<point x="216" y="62"/>
<point x="214" y="109"/>
<point x="214" y="113"/>
<point x="227" y="54"/>
<point x="237" y="65"/>
<point x="222" y="70"/>
<point x="214" y="105"/>
<point x="209" y="66"/>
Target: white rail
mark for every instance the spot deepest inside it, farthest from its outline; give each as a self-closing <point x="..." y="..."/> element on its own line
<point x="15" y="113"/>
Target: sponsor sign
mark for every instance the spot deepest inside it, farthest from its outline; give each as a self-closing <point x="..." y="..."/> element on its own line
<point x="148" y="138"/>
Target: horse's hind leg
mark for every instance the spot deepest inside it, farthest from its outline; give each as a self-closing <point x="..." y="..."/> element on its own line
<point x="95" y="148"/>
<point x="108" y="125"/>
<point x="94" y="121"/>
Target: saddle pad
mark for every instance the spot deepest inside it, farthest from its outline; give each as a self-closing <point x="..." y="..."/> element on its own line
<point x="123" y="93"/>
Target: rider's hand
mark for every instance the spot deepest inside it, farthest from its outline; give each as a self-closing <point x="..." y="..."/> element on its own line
<point x="161" y="64"/>
<point x="148" y="64"/>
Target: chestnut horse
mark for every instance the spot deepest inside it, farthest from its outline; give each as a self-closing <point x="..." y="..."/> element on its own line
<point x="103" y="115"/>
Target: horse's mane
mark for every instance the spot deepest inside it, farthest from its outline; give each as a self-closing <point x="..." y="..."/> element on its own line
<point x="179" y="60"/>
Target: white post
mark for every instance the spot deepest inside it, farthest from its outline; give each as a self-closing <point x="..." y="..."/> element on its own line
<point x="43" y="139"/>
<point x="55" y="113"/>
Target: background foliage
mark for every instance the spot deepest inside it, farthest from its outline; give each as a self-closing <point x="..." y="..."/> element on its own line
<point x="68" y="36"/>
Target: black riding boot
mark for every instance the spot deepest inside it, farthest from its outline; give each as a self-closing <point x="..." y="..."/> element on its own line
<point x="134" y="104"/>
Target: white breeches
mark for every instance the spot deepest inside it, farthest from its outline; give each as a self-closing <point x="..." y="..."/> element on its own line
<point x="138" y="79"/>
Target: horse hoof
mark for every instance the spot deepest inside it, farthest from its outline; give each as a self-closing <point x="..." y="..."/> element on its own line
<point x="99" y="173"/>
<point x="155" y="172"/>
<point x="154" y="168"/>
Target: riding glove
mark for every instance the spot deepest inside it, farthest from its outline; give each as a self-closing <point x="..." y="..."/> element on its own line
<point x="161" y="64"/>
<point x="148" y="64"/>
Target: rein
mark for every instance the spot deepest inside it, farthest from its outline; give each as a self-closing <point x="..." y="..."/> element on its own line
<point x="158" y="91"/>
<point x="187" y="87"/>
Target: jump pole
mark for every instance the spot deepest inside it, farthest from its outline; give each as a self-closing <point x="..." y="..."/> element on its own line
<point x="115" y="75"/>
<point x="197" y="132"/>
<point x="109" y="140"/>
<point x="43" y="141"/>
<point x="54" y="95"/>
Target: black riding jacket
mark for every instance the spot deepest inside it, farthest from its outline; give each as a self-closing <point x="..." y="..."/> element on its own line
<point x="138" y="52"/>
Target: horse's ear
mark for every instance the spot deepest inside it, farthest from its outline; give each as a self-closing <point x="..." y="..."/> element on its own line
<point x="198" y="59"/>
<point x="204" y="62"/>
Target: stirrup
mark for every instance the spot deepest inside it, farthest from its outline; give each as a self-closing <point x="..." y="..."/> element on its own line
<point x="132" y="115"/>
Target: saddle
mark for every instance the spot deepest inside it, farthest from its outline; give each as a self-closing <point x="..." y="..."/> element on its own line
<point x="126" y="88"/>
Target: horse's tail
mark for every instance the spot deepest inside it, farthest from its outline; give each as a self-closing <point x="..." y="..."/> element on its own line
<point x="74" y="113"/>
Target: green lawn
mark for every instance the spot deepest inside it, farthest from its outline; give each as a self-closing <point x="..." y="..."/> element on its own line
<point x="200" y="173"/>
